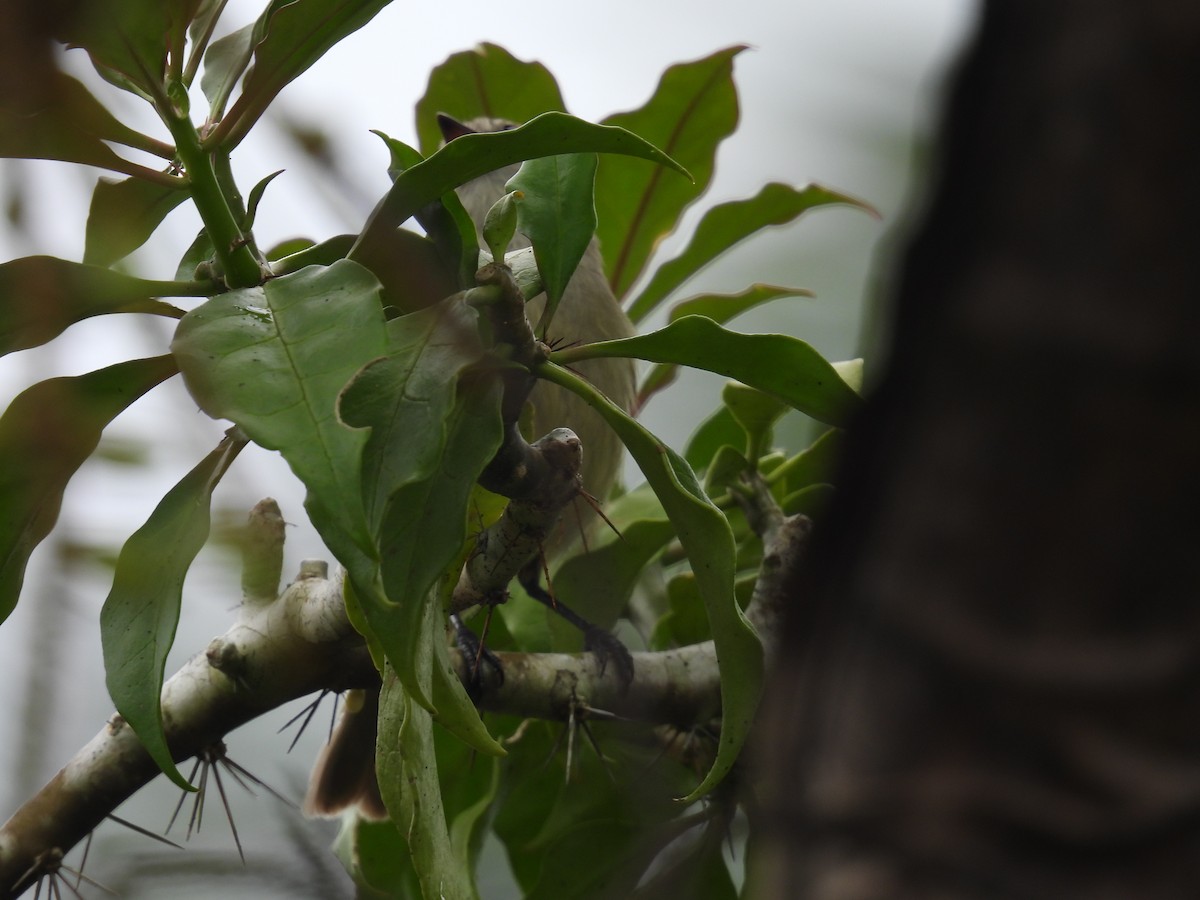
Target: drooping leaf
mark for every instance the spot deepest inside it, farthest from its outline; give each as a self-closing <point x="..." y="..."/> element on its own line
<point x="693" y="109"/>
<point x="224" y="63"/>
<point x="776" y="364"/>
<point x="728" y="223"/>
<point x="43" y="295"/>
<point x="428" y="442"/>
<point x="376" y="857"/>
<point x="473" y="155"/>
<point x="558" y="215"/>
<point x="720" y="308"/>
<point x="130" y="37"/>
<point x="408" y="778"/>
<point x="708" y="542"/>
<point x="60" y="119"/>
<point x="485" y="81"/>
<point x="274" y="359"/>
<point x="123" y="214"/>
<point x="289" y="36"/>
<point x="137" y="623"/>
<point x="45" y="435"/>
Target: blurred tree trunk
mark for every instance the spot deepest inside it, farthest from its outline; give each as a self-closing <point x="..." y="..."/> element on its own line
<point x="993" y="678"/>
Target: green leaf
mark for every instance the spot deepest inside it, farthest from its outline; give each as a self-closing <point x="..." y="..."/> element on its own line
<point x="45" y="435"/>
<point x="445" y="221"/>
<point x="776" y="364"/>
<point x="693" y="109"/>
<point x="558" y="215"/>
<point x="722" y="308"/>
<point x="123" y="214"/>
<point x="718" y="307"/>
<point x="129" y="37"/>
<point x="485" y="81"/>
<point x="44" y="295"/>
<point x="598" y="584"/>
<point x="408" y="779"/>
<point x="224" y="63"/>
<point x="815" y="465"/>
<point x="289" y="36"/>
<point x="708" y="542"/>
<point x="728" y="223"/>
<point x="274" y="359"/>
<point x="473" y="155"/>
<point x="60" y="119"/>
<point x="138" y="621"/>
<point x="255" y="197"/>
<point x="718" y="430"/>
<point x="430" y="438"/>
<point x="375" y="855"/>
<point x="757" y="413"/>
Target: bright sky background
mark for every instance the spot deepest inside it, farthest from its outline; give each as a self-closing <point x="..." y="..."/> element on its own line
<point x="835" y="92"/>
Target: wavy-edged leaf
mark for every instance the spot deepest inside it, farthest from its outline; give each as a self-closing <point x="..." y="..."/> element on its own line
<point x="558" y="215"/>
<point x="224" y="63"/>
<point x="693" y="109"/>
<point x="44" y="295"/>
<point x="289" y="36"/>
<point x="721" y="308"/>
<point x="729" y="223"/>
<point x="473" y="155"/>
<point x="708" y="541"/>
<point x="60" y="119"/>
<point x="430" y="437"/>
<point x="141" y="612"/>
<point x="718" y="430"/>
<point x="122" y="216"/>
<point x="776" y="364"/>
<point x="485" y="81"/>
<point x="274" y="359"/>
<point x="45" y="435"/>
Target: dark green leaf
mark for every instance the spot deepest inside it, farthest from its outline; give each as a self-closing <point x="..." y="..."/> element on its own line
<point x="60" y="119"/>
<point x="274" y="359"/>
<point x="137" y="623"/>
<point x="810" y="501"/>
<point x="727" y="224"/>
<point x="813" y="466"/>
<point x="485" y="81"/>
<point x="757" y="413"/>
<point x="473" y="155"/>
<point x="256" y="195"/>
<point x="713" y="433"/>
<point x="224" y="63"/>
<point x="128" y="36"/>
<point x="446" y="223"/>
<point x="45" y="435"/>
<point x="289" y="36"/>
<point x="776" y="364"/>
<point x="558" y="215"/>
<point x="708" y="542"/>
<point x="123" y="215"/>
<point x="599" y="583"/>
<point x="726" y="466"/>
<point x="693" y="109"/>
<point x="43" y="295"/>
<point x="718" y="307"/>
<point x="430" y="438"/>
